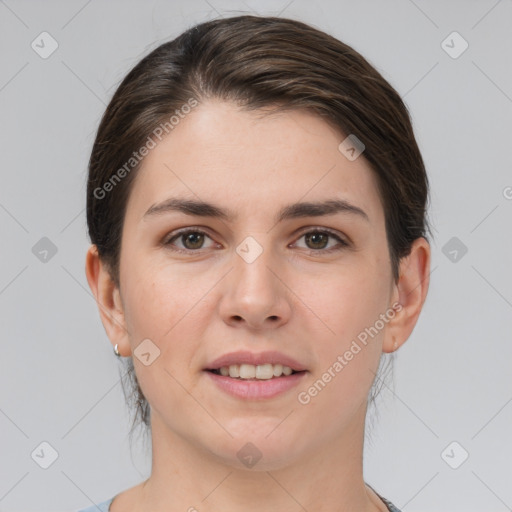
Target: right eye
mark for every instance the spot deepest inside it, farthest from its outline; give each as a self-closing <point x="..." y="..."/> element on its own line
<point x="191" y="238"/>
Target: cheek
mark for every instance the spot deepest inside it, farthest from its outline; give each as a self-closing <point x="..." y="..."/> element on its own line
<point x="167" y="306"/>
<point x="346" y="301"/>
<point x="156" y="298"/>
<point x="158" y="310"/>
<point x="348" y="358"/>
<point x="347" y="307"/>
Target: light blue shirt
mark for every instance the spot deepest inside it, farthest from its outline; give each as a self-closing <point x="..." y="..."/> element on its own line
<point x="103" y="507"/>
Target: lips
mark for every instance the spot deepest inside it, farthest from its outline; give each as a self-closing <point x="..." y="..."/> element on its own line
<point x="252" y="358"/>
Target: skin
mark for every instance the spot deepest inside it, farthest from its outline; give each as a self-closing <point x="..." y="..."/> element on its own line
<point x="294" y="297"/>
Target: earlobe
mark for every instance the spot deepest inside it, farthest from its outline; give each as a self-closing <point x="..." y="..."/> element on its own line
<point x="410" y="293"/>
<point x="108" y="299"/>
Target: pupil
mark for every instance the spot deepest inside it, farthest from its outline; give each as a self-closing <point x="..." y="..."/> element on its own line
<point x="191" y="236"/>
<point x="321" y="235"/>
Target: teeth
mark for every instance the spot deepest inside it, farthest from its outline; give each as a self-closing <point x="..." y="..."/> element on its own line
<point x="250" y="371"/>
<point x="247" y="371"/>
<point x="278" y="370"/>
<point x="287" y="370"/>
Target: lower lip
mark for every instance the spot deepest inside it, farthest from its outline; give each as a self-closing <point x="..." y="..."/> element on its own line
<point x="255" y="389"/>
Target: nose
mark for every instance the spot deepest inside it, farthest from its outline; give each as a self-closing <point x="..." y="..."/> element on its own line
<point x="254" y="294"/>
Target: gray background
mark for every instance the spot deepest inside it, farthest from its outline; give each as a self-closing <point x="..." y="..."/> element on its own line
<point x="59" y="379"/>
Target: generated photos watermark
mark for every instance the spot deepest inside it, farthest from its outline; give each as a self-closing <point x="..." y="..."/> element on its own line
<point x="304" y="397"/>
<point x="158" y="133"/>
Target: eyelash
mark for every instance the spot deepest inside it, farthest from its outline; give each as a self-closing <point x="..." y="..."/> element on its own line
<point x="342" y="244"/>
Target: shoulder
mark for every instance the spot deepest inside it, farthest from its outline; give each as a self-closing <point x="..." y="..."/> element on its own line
<point x="100" y="507"/>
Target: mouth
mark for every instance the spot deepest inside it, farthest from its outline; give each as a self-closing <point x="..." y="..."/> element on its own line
<point x="255" y="382"/>
<point x="255" y="372"/>
<point x="247" y="375"/>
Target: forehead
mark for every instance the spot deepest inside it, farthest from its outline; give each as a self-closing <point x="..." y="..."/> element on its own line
<point x="252" y="162"/>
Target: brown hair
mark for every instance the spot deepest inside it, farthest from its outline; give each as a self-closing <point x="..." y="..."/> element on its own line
<point x="257" y="62"/>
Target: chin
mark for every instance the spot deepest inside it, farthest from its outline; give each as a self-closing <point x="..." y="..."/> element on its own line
<point x="261" y="452"/>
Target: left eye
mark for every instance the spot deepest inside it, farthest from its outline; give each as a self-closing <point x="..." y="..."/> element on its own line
<point x="193" y="240"/>
<point x="319" y="237"/>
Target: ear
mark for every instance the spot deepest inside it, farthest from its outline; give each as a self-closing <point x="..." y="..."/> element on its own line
<point x="410" y="293"/>
<point x="108" y="299"/>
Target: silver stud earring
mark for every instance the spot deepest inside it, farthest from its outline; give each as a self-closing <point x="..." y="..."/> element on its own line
<point x="116" y="351"/>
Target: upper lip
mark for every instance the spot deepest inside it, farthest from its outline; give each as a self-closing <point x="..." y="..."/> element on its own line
<point x="248" y="357"/>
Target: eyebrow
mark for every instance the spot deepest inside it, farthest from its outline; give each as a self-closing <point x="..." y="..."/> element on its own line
<point x="292" y="211"/>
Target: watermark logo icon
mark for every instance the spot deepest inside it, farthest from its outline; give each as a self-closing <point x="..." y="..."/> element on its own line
<point x="454" y="250"/>
<point x="44" y="250"/>
<point x="351" y="147"/>
<point x="454" y="45"/>
<point x="249" y="455"/>
<point x="44" y="45"/>
<point x="146" y="352"/>
<point x="454" y="455"/>
<point x="249" y="249"/>
<point x="44" y="455"/>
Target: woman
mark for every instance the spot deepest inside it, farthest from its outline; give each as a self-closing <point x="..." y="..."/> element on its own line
<point x="256" y="205"/>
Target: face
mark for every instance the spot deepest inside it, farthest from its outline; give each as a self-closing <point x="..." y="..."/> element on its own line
<point x="304" y="286"/>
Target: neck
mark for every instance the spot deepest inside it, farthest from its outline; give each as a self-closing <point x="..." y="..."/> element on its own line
<point x="324" y="477"/>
